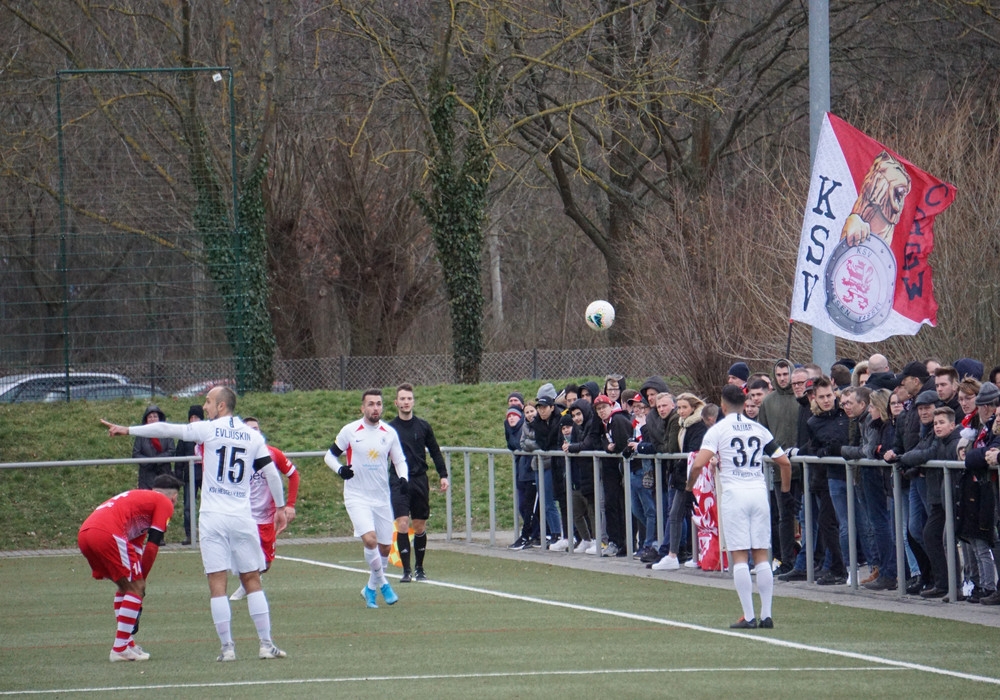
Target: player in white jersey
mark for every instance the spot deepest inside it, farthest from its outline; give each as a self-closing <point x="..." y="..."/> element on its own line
<point x="368" y="445"/>
<point x="227" y="532"/>
<point x="737" y="445"/>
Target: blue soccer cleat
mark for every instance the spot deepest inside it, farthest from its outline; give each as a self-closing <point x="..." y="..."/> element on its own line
<point x="369" y="595"/>
<point x="387" y="593"/>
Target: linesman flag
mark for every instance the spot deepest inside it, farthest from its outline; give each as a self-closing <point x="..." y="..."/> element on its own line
<point x="862" y="270"/>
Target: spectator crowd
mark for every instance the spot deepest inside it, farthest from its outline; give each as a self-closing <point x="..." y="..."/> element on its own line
<point x="900" y="418"/>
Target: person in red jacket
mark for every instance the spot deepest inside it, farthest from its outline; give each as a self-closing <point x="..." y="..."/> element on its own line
<point x="262" y="504"/>
<point x="120" y="540"/>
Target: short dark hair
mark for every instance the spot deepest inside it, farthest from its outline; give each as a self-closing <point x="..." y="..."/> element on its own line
<point x="371" y="392"/>
<point x="733" y="396"/>
<point x="758" y="384"/>
<point x="840" y="374"/>
<point x="405" y="386"/>
<point x="861" y="393"/>
<point x="247" y="419"/>
<point x="167" y="483"/>
<point x="823" y="383"/>
<point x="575" y="388"/>
<point x="945" y="411"/>
<point x="948" y="371"/>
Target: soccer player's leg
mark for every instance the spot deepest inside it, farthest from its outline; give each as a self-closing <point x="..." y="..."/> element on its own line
<point x="419" y="513"/>
<point x="382" y="517"/>
<point x="401" y="512"/>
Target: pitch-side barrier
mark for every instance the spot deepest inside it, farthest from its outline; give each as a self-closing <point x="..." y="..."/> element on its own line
<point x="952" y="471"/>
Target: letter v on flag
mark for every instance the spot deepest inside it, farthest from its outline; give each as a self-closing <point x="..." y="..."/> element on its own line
<point x="862" y="271"/>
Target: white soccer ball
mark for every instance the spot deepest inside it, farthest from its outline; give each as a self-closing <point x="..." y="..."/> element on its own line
<point x="600" y="315"/>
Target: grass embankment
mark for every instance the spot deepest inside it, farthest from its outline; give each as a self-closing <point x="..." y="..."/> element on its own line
<point x="43" y="507"/>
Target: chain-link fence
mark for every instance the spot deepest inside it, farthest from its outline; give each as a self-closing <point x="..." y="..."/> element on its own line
<point x="350" y="373"/>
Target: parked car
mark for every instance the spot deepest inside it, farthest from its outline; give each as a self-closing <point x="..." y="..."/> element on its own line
<point x="16" y="388"/>
<point x="202" y="388"/>
<point x="104" y="392"/>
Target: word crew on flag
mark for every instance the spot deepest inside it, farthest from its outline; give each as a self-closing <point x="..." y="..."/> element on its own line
<point x="862" y="271"/>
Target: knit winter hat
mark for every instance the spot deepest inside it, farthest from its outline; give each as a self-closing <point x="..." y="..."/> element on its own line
<point x="741" y="370"/>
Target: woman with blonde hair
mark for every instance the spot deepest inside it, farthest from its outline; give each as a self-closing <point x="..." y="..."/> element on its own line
<point x="692" y="430"/>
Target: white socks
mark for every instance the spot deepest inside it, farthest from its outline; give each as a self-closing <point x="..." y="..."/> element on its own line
<point x="374" y="559"/>
<point x="744" y="588"/>
<point x="765" y="586"/>
<point x="260" y="614"/>
<point x="222" y="616"/>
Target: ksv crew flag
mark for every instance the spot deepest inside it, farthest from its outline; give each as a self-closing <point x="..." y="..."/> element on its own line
<point x="862" y="270"/>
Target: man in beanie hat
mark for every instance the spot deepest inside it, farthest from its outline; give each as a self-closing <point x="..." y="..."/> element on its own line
<point x="515" y="398"/>
<point x="182" y="470"/>
<point x="738" y="374"/>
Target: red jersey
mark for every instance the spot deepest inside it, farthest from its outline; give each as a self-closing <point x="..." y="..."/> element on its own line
<point x="131" y="514"/>
<point x="261" y="501"/>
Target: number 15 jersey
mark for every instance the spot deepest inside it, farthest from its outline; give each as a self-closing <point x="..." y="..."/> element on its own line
<point x="233" y="452"/>
<point x="741" y="443"/>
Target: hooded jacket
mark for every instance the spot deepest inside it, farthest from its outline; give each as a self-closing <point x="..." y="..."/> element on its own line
<point x="779" y="412"/>
<point x="584" y="439"/>
<point x="654" y="382"/>
<point x="522" y="463"/>
<point x="153" y="447"/>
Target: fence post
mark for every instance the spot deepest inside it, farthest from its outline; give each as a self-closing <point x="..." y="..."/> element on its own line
<point x="534" y="363"/>
<point x="343" y="373"/>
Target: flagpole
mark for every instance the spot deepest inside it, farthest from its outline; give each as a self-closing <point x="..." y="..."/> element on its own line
<point x="824" y="345"/>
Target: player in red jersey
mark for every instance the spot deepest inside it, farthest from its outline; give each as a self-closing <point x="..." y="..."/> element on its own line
<point x="263" y="506"/>
<point x="120" y="540"/>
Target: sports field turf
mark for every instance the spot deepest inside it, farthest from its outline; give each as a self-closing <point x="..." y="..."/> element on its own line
<point x="484" y="627"/>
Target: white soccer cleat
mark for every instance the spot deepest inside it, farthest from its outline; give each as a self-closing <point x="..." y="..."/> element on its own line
<point x="239" y="594"/>
<point x="668" y="563"/>
<point x="228" y="653"/>
<point x="129" y="654"/>
<point x="560" y="545"/>
<point x="269" y="651"/>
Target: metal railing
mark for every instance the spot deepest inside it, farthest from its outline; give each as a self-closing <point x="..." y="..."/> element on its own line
<point x="466" y="453"/>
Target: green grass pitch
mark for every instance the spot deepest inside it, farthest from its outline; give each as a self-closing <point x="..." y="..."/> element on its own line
<point x="484" y="627"/>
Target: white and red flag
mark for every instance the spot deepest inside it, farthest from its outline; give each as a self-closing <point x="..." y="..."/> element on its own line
<point x="862" y="270"/>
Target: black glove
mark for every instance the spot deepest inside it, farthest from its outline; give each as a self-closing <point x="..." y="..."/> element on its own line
<point x="628" y="452"/>
<point x="345" y="472"/>
<point x="404" y="487"/>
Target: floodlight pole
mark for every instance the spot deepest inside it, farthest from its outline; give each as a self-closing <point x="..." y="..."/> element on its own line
<point x="824" y="345"/>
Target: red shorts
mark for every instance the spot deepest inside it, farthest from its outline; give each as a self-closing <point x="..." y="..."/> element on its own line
<point x="267" y="538"/>
<point x="110" y="556"/>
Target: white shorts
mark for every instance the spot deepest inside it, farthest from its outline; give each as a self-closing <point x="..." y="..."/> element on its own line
<point x="229" y="543"/>
<point x="367" y="516"/>
<point x="745" y="517"/>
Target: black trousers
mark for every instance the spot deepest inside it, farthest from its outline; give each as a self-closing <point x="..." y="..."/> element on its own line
<point x="614" y="502"/>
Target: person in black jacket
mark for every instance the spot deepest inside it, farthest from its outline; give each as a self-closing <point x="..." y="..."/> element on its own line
<point x="617" y="434"/>
<point x="412" y="504"/>
<point x="827" y="434"/>
<point x="943" y="445"/>
<point x="182" y="470"/>
<point x="583" y="438"/>
<point x="548" y="437"/>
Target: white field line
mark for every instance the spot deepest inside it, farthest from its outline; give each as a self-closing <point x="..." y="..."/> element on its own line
<point x="441" y="676"/>
<point x="756" y="636"/>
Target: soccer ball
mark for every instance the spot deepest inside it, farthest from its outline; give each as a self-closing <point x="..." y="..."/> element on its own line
<point x="600" y="315"/>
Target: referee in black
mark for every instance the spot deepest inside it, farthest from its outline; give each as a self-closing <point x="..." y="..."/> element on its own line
<point x="417" y="438"/>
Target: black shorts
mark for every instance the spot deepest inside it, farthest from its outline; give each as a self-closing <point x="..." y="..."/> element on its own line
<point x="416" y="504"/>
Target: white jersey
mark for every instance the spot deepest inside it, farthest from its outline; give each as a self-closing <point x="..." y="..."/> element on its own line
<point x="368" y="449"/>
<point x="741" y="444"/>
<point x="232" y="454"/>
